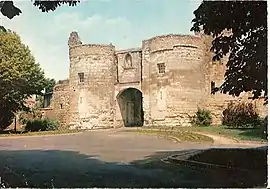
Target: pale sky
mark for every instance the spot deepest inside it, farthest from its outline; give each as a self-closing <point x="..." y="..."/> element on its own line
<point x="124" y="23"/>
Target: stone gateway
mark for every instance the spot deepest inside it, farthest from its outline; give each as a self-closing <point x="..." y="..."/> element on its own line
<point x="162" y="83"/>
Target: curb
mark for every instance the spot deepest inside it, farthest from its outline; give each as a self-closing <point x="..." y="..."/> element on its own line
<point x="175" y="139"/>
<point x="203" y="165"/>
<point x="39" y="135"/>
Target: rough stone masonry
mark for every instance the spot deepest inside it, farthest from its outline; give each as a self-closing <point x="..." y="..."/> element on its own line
<point x="162" y="83"/>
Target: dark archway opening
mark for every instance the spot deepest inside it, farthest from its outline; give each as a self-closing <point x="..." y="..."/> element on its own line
<point x="130" y="103"/>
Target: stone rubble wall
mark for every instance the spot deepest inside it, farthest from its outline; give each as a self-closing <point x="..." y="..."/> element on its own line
<point x="91" y="101"/>
<point x="171" y="95"/>
<point x="216" y="103"/>
<point x="59" y="107"/>
<point x="128" y="74"/>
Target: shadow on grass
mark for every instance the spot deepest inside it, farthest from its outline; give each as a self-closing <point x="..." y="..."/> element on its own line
<point x="253" y="134"/>
<point x="216" y="167"/>
<point x="55" y="168"/>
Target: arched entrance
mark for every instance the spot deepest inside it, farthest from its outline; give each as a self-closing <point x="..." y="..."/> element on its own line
<point x="130" y="104"/>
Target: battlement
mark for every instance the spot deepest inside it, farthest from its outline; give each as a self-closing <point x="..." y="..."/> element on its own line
<point x="154" y="44"/>
<point x="61" y="85"/>
<point x="101" y="46"/>
<point x="171" y="41"/>
<point x="170" y="36"/>
<point x="90" y="49"/>
<point x="65" y="81"/>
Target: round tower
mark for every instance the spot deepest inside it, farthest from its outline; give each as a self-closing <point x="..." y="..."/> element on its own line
<point x="174" y="80"/>
<point x="91" y="82"/>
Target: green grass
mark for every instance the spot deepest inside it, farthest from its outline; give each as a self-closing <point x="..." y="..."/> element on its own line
<point x="24" y="133"/>
<point x="251" y="159"/>
<point x="178" y="135"/>
<point x="249" y="134"/>
<point x="244" y="168"/>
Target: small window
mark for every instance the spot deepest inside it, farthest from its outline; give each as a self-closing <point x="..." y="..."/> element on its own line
<point x="214" y="89"/>
<point x="61" y="106"/>
<point x="161" y="67"/>
<point x="81" y="77"/>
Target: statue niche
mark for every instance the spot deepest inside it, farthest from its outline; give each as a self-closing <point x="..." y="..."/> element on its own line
<point x="128" y="61"/>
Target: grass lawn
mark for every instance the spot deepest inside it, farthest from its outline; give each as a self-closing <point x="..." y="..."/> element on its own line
<point x="250" y="134"/>
<point x="178" y="135"/>
<point x="23" y="133"/>
<point x="241" y="158"/>
<point x="239" y="134"/>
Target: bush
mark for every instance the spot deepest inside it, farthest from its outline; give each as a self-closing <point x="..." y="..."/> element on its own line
<point x="240" y="115"/>
<point x="41" y="125"/>
<point x="264" y="127"/>
<point x="202" y="118"/>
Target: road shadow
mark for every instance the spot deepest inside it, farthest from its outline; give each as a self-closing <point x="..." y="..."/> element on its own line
<point x="54" y="168"/>
<point x="216" y="167"/>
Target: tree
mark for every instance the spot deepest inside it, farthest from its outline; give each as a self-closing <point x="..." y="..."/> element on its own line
<point x="246" y="45"/>
<point x="9" y="10"/>
<point x="20" y="76"/>
<point x="50" y="83"/>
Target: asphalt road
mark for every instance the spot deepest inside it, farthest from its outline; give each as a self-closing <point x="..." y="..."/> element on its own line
<point x="98" y="159"/>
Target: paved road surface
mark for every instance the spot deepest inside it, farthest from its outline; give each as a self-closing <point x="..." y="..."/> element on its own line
<point x="97" y="159"/>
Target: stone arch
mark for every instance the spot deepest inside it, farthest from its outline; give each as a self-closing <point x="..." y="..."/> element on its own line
<point x="128" y="61"/>
<point x="130" y="104"/>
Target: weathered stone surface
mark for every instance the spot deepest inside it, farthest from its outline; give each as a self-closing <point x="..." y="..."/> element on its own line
<point x="59" y="107"/>
<point x="169" y="98"/>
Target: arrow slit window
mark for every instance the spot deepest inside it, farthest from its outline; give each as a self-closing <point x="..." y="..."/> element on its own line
<point x="161" y="67"/>
<point x="81" y="77"/>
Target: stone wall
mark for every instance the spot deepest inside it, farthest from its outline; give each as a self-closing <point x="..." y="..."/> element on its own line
<point x="171" y="94"/>
<point x="129" y="75"/>
<point x="217" y="102"/>
<point x="59" y="107"/>
<point x="168" y="98"/>
<point x="129" y="66"/>
<point x="91" y="100"/>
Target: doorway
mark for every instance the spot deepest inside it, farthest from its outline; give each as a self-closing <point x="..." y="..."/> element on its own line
<point x="130" y="104"/>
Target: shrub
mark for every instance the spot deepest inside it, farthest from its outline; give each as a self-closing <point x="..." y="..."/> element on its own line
<point x="202" y="118"/>
<point x="41" y="125"/>
<point x="240" y="115"/>
<point x="264" y="127"/>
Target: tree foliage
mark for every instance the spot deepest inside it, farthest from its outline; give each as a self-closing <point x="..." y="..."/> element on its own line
<point x="9" y="10"/>
<point x="246" y="45"/>
<point x="20" y="76"/>
<point x="50" y="83"/>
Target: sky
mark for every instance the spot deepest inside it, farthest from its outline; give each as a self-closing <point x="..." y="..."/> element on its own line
<point x="124" y="23"/>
